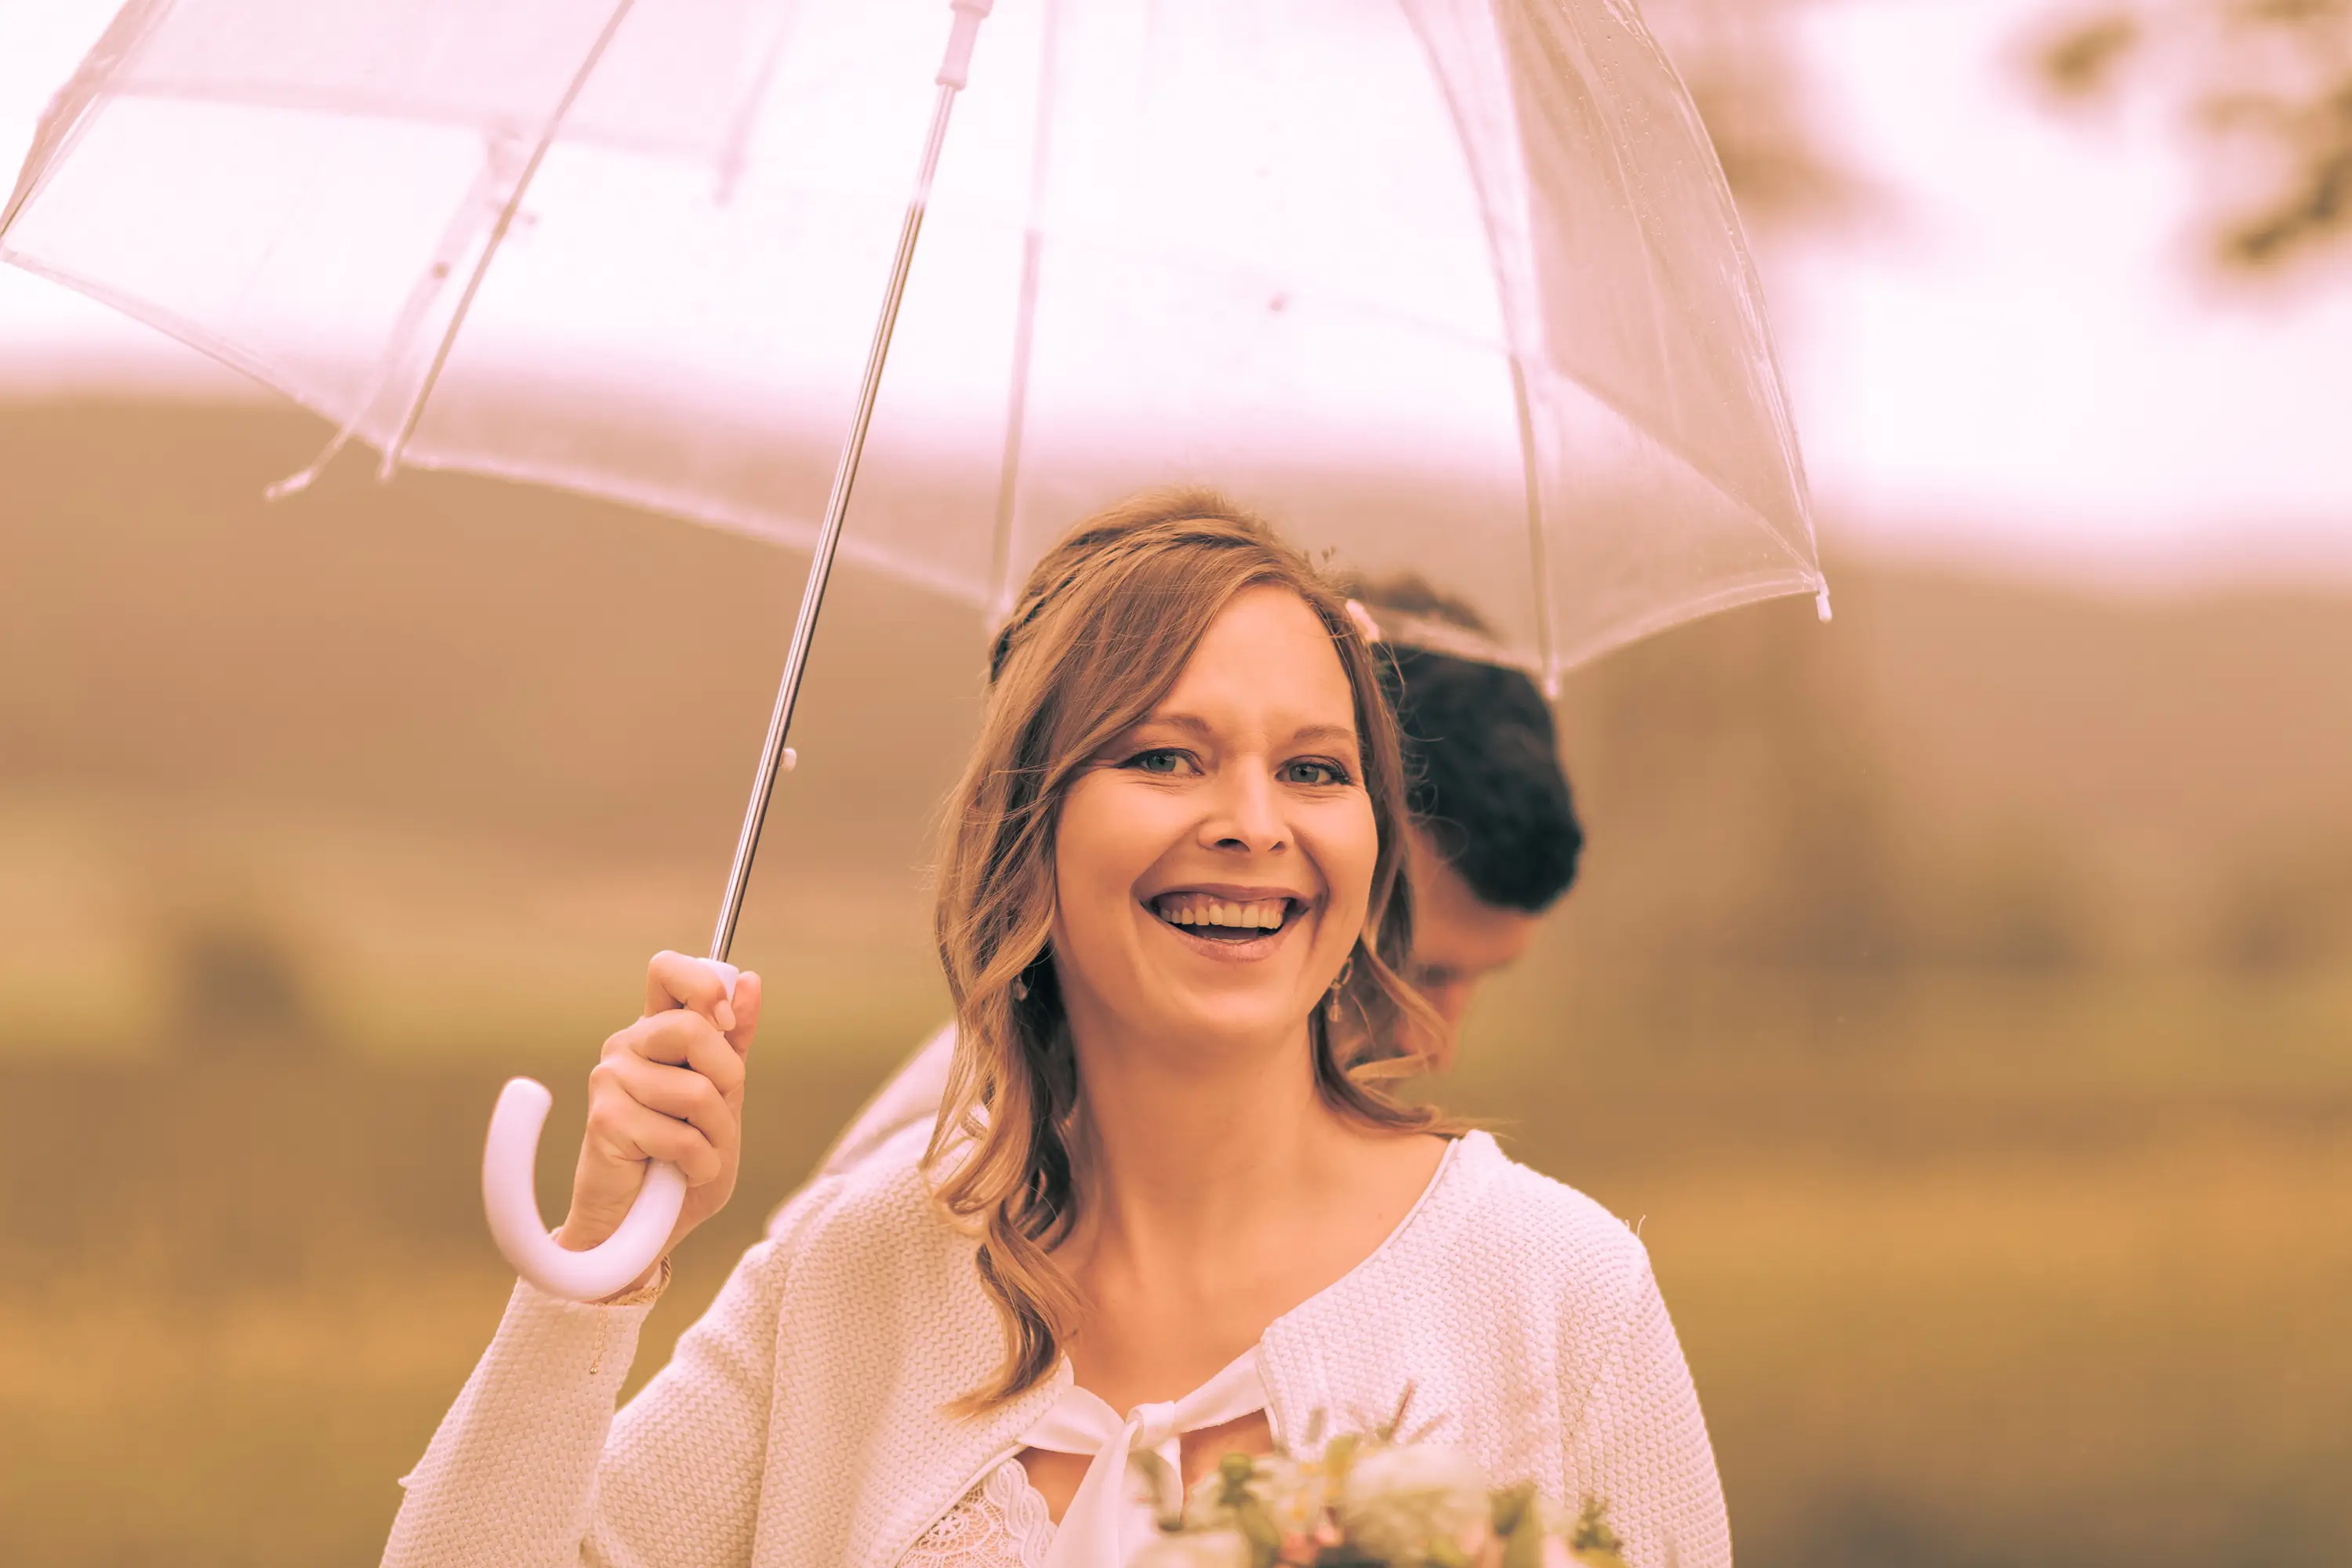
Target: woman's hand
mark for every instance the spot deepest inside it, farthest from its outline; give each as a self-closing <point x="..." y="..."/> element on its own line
<point x="670" y="1087"/>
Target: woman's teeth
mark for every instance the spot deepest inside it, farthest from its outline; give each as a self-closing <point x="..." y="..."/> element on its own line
<point x="1221" y="917"/>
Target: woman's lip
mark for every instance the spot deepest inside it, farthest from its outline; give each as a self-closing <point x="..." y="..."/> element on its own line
<point x="1226" y="952"/>
<point x="1232" y="893"/>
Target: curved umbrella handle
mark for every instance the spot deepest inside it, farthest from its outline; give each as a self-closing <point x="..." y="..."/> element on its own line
<point x="509" y="1155"/>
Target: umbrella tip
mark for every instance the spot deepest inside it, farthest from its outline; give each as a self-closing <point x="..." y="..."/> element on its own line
<point x="291" y="485"/>
<point x="1821" y="602"/>
<point x="295" y="484"/>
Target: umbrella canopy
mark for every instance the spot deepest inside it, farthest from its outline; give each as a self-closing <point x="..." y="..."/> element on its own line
<point x="1448" y="285"/>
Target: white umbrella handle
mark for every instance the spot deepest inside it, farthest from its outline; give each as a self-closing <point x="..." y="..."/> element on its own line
<point x="510" y="1158"/>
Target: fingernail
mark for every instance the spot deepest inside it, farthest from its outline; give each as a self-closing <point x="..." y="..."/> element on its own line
<point x="723" y="1015"/>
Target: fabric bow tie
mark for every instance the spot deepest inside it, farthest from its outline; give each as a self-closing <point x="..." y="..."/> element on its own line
<point x="1100" y="1527"/>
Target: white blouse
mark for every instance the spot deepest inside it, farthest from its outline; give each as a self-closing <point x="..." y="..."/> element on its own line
<point x="1003" y="1522"/>
<point x="1107" y="1518"/>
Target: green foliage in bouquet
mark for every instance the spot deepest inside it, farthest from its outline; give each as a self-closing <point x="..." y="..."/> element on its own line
<point x="1591" y="1542"/>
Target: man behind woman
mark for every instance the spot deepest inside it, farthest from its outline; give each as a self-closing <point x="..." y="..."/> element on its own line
<point x="1167" y="1203"/>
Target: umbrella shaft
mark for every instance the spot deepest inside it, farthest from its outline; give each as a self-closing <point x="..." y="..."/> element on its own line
<point x="837" y="507"/>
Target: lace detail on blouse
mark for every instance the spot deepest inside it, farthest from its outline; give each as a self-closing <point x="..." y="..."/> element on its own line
<point x="1003" y="1522"/>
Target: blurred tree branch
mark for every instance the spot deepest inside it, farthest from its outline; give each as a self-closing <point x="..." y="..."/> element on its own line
<point x="1740" y="59"/>
<point x="2264" y="86"/>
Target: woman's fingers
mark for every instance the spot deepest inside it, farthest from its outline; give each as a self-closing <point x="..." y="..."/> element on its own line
<point x="683" y="1039"/>
<point x="678" y="1068"/>
<point x="747" y="1013"/>
<point x="667" y="1088"/>
<point x="626" y="1131"/>
<point x="672" y="980"/>
<point x="677" y="1092"/>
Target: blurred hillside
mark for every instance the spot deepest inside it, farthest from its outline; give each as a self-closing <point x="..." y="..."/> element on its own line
<point x="319" y="749"/>
<point x="448" y="728"/>
<point x="1959" y="996"/>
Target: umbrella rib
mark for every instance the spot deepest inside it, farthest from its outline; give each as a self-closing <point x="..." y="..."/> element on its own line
<point x="1538" y="560"/>
<point x="1024" y="325"/>
<point x="399" y="443"/>
<point x="68" y="112"/>
<point x="734" y="153"/>
<point x="1513" y="310"/>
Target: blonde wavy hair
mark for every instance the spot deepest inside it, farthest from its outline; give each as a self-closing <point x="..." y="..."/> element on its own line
<point x="1105" y="625"/>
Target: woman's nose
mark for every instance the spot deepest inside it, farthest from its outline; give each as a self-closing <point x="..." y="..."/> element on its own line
<point x="1245" y="813"/>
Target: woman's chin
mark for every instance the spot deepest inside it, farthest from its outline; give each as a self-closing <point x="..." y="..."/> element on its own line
<point x="1242" y="1018"/>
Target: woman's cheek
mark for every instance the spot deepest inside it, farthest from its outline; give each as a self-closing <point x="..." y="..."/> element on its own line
<point x="1109" y="838"/>
<point x="1346" y="846"/>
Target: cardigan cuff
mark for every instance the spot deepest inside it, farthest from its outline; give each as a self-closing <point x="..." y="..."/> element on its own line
<point x="644" y="1295"/>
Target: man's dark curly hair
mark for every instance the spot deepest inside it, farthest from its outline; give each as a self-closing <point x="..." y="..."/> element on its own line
<point x="1482" y="757"/>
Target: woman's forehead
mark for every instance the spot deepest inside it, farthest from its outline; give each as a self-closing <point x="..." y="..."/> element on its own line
<point x="1266" y="664"/>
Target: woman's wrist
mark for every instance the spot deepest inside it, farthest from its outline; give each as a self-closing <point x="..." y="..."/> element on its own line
<point x="573" y="1237"/>
<point x="646" y="1287"/>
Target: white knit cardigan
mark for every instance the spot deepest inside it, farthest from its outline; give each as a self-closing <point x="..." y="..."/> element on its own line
<point x="803" y="1422"/>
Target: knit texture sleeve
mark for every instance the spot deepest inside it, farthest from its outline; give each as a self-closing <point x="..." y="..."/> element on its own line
<point x="1645" y="1451"/>
<point x="680" y="1478"/>
<point x="530" y="1468"/>
<point x="510" y="1474"/>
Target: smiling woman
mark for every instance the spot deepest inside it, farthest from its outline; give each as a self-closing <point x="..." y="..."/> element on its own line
<point x="1180" y="841"/>
<point x="1166" y="1208"/>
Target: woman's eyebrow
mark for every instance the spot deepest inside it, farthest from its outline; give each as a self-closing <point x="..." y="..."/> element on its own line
<point x="1304" y="735"/>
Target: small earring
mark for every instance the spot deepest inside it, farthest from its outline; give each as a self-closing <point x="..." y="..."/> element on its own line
<point x="1332" y="997"/>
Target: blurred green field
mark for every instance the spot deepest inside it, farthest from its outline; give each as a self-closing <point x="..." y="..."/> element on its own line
<point x="1997" y="1323"/>
<point x="1958" y="998"/>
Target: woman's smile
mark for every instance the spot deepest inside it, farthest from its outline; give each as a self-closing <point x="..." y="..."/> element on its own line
<point x="1234" y="924"/>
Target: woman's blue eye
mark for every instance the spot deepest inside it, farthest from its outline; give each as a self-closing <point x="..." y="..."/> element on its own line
<point x="1160" y="760"/>
<point x="1310" y="772"/>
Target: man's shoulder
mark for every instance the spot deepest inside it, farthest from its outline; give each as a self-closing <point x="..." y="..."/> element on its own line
<point x="889" y="1131"/>
<point x="872" y="1232"/>
<point x="886" y="1185"/>
<point x="909" y="1097"/>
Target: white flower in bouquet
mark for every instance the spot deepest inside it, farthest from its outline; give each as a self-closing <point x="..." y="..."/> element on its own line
<point x="1201" y="1548"/>
<point x="1407" y="1504"/>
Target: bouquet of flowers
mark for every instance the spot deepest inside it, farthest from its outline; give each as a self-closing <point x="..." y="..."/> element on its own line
<point x="1369" y="1502"/>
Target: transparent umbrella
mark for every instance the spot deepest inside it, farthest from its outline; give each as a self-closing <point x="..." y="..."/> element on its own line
<point x="1446" y="286"/>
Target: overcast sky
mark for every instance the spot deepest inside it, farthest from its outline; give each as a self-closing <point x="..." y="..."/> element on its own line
<point x="2020" y="356"/>
<point x="2012" y="364"/>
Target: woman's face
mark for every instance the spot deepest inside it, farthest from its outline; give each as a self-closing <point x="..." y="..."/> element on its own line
<point x="1212" y="865"/>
